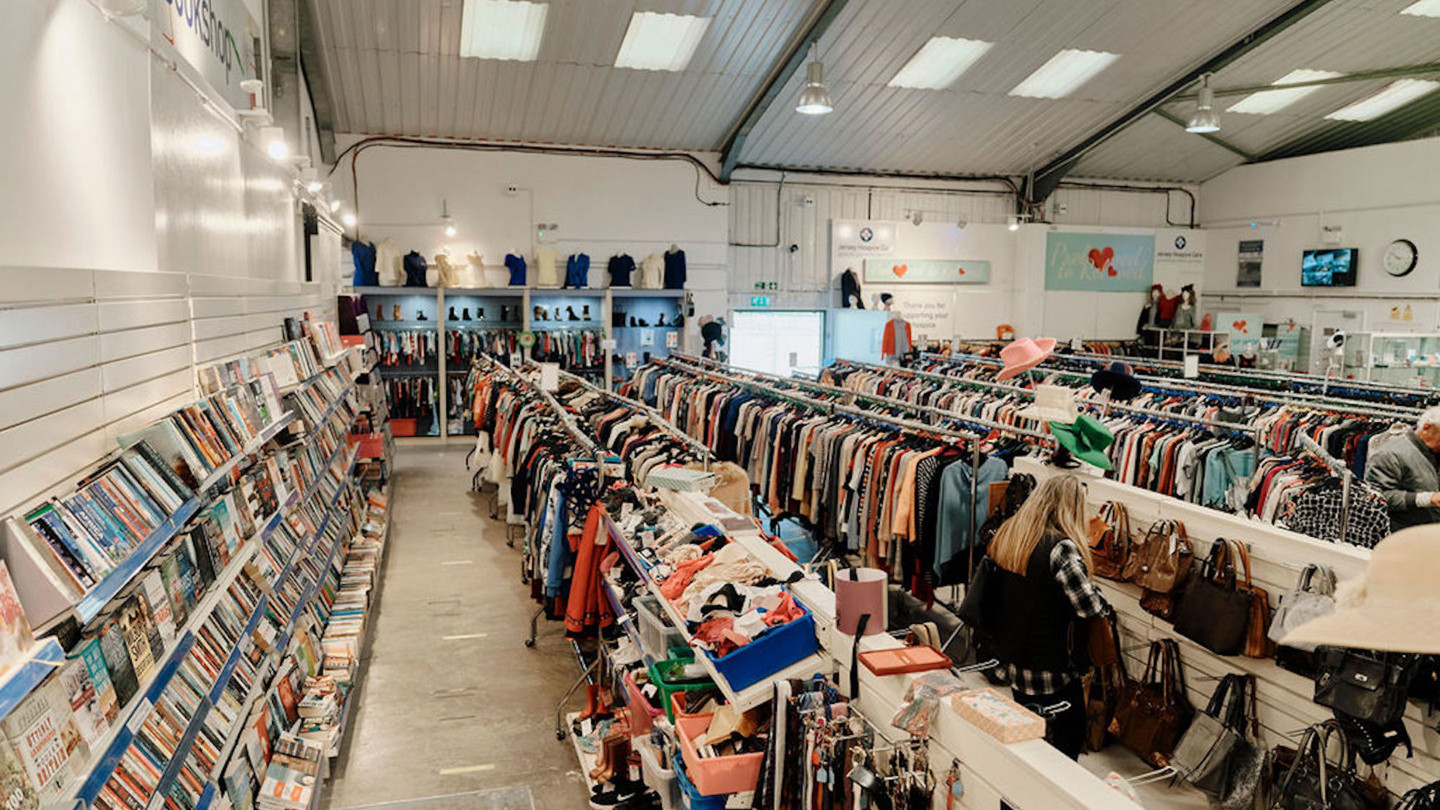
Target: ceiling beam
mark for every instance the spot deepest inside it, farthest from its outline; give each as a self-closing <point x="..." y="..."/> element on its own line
<point x="316" y="65"/>
<point x="1362" y="76"/>
<point x="1218" y="141"/>
<point x="1049" y="175"/>
<point x="788" y="65"/>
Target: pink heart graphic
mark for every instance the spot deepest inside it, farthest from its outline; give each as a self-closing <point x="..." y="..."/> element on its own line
<point x="1240" y="326"/>
<point x="900" y="270"/>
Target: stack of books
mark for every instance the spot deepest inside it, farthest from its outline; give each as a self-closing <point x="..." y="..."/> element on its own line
<point x="291" y="777"/>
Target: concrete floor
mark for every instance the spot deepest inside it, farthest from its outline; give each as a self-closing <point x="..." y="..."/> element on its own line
<point x="442" y="716"/>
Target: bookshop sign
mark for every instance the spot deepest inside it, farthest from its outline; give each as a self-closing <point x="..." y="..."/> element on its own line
<point x="218" y="38"/>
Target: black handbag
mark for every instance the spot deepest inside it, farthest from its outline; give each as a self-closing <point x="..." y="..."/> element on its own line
<point x="1370" y="687"/>
<point x="1421" y="798"/>
<point x="976" y="609"/>
<point x="1212" y="609"/>
<point x="1313" y="783"/>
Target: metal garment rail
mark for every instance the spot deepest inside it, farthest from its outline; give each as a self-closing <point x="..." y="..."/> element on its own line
<point x="900" y="404"/>
<point x="1027" y="392"/>
<point x="1347" y="478"/>
<point x="1295" y="399"/>
<point x="850" y="410"/>
<point x="655" y="416"/>
<point x="1306" y="380"/>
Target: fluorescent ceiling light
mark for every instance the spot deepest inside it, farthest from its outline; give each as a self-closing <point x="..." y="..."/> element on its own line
<point x="657" y="41"/>
<point x="1397" y="95"/>
<point x="1266" y="102"/>
<point x="502" y="29"/>
<point x="1424" y="8"/>
<point x="939" y="63"/>
<point x="1064" y="73"/>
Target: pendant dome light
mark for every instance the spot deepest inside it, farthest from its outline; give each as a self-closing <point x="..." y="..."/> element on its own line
<point x="814" y="98"/>
<point x="1205" y="119"/>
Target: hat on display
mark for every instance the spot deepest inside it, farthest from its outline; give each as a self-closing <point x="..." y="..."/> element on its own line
<point x="1086" y="440"/>
<point x="1394" y="607"/>
<point x="1117" y="378"/>
<point x="1023" y="355"/>
<point x="1053" y="403"/>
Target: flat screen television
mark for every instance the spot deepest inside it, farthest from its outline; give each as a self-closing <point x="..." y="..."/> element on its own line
<point x="1333" y="267"/>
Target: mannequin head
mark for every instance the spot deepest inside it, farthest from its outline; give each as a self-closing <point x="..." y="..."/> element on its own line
<point x="887" y="302"/>
<point x="1187" y="295"/>
<point x="1157" y="292"/>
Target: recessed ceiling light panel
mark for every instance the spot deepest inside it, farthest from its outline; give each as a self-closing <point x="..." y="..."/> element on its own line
<point x="939" y="63"/>
<point x="510" y="30"/>
<point x="657" y="41"/>
<point x="1266" y="102"/>
<point x="1424" y="8"/>
<point x="1064" y="73"/>
<point x="1397" y="95"/>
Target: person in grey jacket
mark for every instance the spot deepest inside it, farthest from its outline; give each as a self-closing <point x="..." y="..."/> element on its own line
<point x="1404" y="468"/>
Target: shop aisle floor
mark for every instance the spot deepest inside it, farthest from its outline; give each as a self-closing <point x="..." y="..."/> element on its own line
<point x="442" y="716"/>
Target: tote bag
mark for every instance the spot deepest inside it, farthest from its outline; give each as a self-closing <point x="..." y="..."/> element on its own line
<point x="1153" y="711"/>
<point x="1312" y="597"/>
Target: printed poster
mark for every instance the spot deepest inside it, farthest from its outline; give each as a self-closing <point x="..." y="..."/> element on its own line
<point x="1246" y="330"/>
<point x="1247" y="271"/>
<point x="918" y="271"/>
<point x="1099" y="262"/>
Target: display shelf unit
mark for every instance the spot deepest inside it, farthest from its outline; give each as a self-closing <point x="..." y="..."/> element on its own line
<point x="1395" y="358"/>
<point x="437" y="302"/>
<point x="651" y="340"/>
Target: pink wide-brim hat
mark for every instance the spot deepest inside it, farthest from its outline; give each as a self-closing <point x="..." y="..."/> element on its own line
<point x="1024" y="354"/>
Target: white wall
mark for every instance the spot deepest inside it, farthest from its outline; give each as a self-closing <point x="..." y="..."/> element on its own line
<point x="1375" y="195"/>
<point x="140" y="235"/>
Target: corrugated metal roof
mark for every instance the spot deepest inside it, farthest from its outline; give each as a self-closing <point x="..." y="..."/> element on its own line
<point x="396" y="69"/>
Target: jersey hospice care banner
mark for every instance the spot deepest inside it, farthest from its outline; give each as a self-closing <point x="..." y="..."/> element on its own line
<point x="1099" y="262"/>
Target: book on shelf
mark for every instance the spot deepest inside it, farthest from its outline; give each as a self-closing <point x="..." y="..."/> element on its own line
<point x="16" y="640"/>
<point x="152" y="587"/>
<point x="117" y="660"/>
<point x="46" y="740"/>
<point x="135" y="630"/>
<point x="89" y="654"/>
<point x="292" y="773"/>
<point x="86" y="702"/>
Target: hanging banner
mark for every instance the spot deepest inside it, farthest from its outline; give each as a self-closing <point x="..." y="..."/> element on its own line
<point x="924" y="271"/>
<point x="218" y="38"/>
<point x="1246" y="330"/>
<point x="1099" y="262"/>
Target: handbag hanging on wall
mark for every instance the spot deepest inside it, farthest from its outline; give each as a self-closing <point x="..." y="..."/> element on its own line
<point x="1159" y="564"/>
<point x="1213" y="609"/>
<point x="1218" y="750"/>
<point x="1105" y="680"/>
<point x="1373" y="688"/>
<point x="1152" y="712"/>
<point x="1312" y="782"/>
<point x="1110" y="540"/>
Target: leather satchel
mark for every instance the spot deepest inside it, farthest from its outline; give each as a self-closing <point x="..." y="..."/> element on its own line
<point x="1213" y="610"/>
<point x="1162" y="560"/>
<point x="1219" y="744"/>
<point x="1257" y="632"/>
<point x="1312" y="782"/>
<point x="1110" y="540"/>
<point x="1105" y="680"/>
<point x="1364" y="686"/>
<point x="1152" y="712"/>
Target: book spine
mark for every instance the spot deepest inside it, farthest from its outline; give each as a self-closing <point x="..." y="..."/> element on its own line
<point x="107" y="527"/>
<point x="164" y="470"/>
<point x="128" y="530"/>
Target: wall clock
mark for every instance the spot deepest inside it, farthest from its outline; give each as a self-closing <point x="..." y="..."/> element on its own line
<point x="1400" y="258"/>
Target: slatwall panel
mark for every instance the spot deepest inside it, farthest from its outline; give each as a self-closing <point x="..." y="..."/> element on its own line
<point x="86" y="356"/>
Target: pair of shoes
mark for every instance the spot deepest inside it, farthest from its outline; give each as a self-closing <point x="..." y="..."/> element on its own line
<point x="620" y="794"/>
<point x="380" y="312"/>
<point x="540" y="314"/>
<point x="571" y="312"/>
<point x="614" y="758"/>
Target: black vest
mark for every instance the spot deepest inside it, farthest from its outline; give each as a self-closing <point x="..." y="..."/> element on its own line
<point x="1035" y="624"/>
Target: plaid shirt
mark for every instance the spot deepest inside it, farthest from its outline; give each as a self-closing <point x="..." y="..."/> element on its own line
<point x="1069" y="569"/>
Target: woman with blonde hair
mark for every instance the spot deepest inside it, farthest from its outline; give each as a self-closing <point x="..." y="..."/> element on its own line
<point x="1040" y="597"/>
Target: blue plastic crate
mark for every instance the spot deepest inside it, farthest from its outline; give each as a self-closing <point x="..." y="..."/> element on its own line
<point x="770" y="653"/>
<point x="690" y="795"/>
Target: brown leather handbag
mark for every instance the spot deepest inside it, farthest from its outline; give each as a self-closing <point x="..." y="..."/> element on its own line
<point x="1154" y="711"/>
<point x="1161" y="560"/>
<point x="1257" y="635"/>
<point x="1110" y="540"/>
<point x="1105" y="680"/>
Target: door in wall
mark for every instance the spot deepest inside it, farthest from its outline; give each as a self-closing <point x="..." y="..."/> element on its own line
<point x="1325" y="323"/>
<point x="777" y="341"/>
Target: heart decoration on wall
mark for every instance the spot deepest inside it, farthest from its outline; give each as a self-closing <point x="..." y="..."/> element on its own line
<point x="961" y="270"/>
<point x="1101" y="260"/>
<point x="900" y="270"/>
<point x="1239" y="326"/>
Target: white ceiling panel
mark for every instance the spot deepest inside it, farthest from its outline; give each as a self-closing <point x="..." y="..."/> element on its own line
<point x="1158" y="150"/>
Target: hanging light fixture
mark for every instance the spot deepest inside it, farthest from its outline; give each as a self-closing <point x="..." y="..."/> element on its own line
<point x="1205" y="118"/>
<point x="814" y="98"/>
<point x="446" y="219"/>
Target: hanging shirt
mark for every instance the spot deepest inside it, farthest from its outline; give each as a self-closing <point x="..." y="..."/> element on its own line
<point x="516" y="266"/>
<point x="621" y="268"/>
<point x="675" y="269"/>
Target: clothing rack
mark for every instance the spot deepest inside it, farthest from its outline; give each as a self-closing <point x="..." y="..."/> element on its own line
<point x="1330" y="404"/>
<point x="655" y="416"/>
<point x="1304" y="380"/>
<point x="1347" y="478"/>
<point x="1028" y="392"/>
<point x="899" y="404"/>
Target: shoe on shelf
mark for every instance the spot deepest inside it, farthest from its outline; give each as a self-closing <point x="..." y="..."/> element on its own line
<point x="540" y="314"/>
<point x="504" y="314"/>
<point x="452" y="314"/>
<point x="661" y="322"/>
<point x="644" y="322"/>
<point x="570" y="312"/>
<point x="586" y="312"/>
<point x="465" y="314"/>
<point x="480" y="313"/>
<point x="632" y="321"/>
<point x="380" y="313"/>
<point x="420" y="315"/>
<point x="396" y="313"/>
<point x="557" y="313"/>
<point x="611" y="796"/>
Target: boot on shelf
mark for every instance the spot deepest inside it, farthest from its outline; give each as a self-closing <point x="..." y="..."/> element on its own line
<point x="679" y="319"/>
<point x="661" y="322"/>
<point x="420" y="315"/>
<point x="396" y="313"/>
<point x="557" y="313"/>
<point x="585" y="313"/>
<point x="504" y="313"/>
<point x="479" y="313"/>
<point x="465" y="314"/>
<point x="632" y="321"/>
<point x="452" y="315"/>
<point x="540" y="314"/>
<point x="379" y="313"/>
<point x="570" y="311"/>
